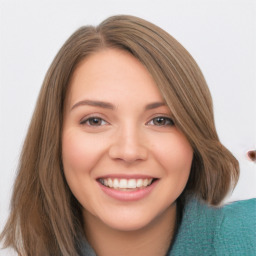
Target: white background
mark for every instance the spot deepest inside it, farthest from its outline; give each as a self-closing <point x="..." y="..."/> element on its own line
<point x="220" y="34"/>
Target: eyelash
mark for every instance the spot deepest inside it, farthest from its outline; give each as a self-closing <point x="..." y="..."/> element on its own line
<point x="167" y="121"/>
<point x="93" y="118"/>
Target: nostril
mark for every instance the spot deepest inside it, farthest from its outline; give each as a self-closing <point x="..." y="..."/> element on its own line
<point x="128" y="153"/>
<point x="252" y="155"/>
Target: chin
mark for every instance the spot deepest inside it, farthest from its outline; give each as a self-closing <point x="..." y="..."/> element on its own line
<point x="128" y="221"/>
<point x="130" y="225"/>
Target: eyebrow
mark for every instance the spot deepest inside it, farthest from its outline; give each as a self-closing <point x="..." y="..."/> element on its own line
<point x="107" y="105"/>
<point x="155" y="105"/>
<point x="94" y="103"/>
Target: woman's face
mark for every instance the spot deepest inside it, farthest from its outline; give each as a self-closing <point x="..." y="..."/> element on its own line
<point x="124" y="159"/>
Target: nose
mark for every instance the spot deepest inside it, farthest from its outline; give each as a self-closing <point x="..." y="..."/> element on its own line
<point x="128" y="146"/>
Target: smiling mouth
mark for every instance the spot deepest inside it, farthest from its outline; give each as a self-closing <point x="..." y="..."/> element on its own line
<point x="126" y="184"/>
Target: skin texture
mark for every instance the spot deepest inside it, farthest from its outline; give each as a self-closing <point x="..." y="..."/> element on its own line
<point x="126" y="139"/>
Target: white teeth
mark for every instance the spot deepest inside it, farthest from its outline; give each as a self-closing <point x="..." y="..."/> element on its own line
<point x="131" y="183"/>
<point x="145" y="183"/>
<point x="110" y="183"/>
<point x="139" y="183"/>
<point x="126" y="183"/>
<point x="115" y="183"/>
<point x="123" y="183"/>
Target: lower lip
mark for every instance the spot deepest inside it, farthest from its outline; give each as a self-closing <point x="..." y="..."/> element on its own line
<point x="128" y="195"/>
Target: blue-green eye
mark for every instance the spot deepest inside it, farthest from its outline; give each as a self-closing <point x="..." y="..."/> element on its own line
<point x="161" y="121"/>
<point x="93" y="121"/>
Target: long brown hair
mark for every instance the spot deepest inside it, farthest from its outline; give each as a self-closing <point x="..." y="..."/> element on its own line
<point x="45" y="217"/>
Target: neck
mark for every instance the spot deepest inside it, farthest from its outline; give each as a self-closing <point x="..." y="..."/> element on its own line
<point x="154" y="239"/>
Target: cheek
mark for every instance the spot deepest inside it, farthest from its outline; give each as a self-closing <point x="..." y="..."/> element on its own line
<point x="175" y="154"/>
<point x="79" y="153"/>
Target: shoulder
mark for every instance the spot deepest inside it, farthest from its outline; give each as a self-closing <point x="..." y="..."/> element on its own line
<point x="237" y="228"/>
<point x="227" y="230"/>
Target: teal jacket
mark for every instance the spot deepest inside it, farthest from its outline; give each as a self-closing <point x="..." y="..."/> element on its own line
<point x="208" y="231"/>
<point x="229" y="230"/>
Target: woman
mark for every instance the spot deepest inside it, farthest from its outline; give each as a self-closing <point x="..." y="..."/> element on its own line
<point x="122" y="156"/>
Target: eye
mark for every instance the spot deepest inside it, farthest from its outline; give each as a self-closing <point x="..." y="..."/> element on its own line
<point x="161" y="121"/>
<point x="93" y="121"/>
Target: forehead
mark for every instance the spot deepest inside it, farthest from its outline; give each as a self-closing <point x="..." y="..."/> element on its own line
<point x="112" y="73"/>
